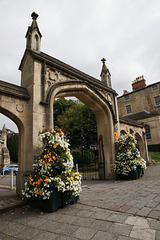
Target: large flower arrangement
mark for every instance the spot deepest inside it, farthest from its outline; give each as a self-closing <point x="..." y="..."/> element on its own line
<point x="128" y="156"/>
<point x="54" y="167"/>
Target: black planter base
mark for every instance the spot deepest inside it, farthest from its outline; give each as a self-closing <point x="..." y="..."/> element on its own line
<point x="132" y="175"/>
<point x="56" y="200"/>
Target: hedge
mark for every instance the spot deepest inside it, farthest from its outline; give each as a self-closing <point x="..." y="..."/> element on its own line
<point x="154" y="148"/>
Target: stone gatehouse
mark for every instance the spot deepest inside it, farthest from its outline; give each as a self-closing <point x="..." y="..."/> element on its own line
<point x="44" y="78"/>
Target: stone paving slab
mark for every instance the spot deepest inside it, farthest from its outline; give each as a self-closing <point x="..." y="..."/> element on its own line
<point x="139" y="197"/>
<point x="28" y="223"/>
<point x="112" y="210"/>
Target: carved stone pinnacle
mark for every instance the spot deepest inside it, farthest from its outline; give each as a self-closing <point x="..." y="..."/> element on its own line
<point x="34" y="15"/>
<point x="103" y="60"/>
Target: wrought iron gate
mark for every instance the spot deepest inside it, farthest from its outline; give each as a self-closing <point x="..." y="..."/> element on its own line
<point x="92" y="162"/>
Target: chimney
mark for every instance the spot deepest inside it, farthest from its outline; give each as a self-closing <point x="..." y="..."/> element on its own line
<point x="125" y="92"/>
<point x="139" y="83"/>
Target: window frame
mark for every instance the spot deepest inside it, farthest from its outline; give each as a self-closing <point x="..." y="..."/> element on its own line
<point x="126" y="98"/>
<point x="148" y="132"/>
<point x="157" y="105"/>
<point x="155" y="88"/>
<point x="128" y="109"/>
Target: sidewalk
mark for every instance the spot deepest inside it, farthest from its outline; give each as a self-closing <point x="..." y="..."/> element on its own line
<point x="112" y="210"/>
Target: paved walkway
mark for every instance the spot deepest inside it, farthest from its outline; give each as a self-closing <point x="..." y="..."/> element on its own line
<point x="107" y="210"/>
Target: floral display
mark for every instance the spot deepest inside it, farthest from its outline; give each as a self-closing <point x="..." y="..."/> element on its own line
<point x="128" y="156"/>
<point x="54" y="167"/>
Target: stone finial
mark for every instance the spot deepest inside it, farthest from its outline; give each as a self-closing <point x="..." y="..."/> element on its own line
<point x="105" y="74"/>
<point x="33" y="35"/>
<point x="34" y="15"/>
<point x="104" y="68"/>
<point x="103" y="60"/>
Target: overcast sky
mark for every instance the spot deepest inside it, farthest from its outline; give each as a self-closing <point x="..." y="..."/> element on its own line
<point x="82" y="32"/>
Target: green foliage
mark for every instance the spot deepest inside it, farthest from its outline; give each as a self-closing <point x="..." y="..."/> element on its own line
<point x="60" y="106"/>
<point x="155" y="156"/>
<point x="77" y="119"/>
<point x="13" y="148"/>
<point x="154" y="148"/>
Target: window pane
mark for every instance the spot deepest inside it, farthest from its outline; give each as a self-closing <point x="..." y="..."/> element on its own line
<point x="126" y="97"/>
<point x="157" y="100"/>
<point x="155" y="88"/>
<point x="128" y="109"/>
<point x="148" y="132"/>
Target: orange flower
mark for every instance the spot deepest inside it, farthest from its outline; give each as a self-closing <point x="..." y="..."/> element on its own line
<point x="40" y="192"/>
<point x="57" y="134"/>
<point x="112" y="170"/>
<point x="39" y="181"/>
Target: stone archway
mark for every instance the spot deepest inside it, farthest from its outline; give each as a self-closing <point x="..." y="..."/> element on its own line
<point x="100" y="107"/>
<point x="21" y="148"/>
<point x="141" y="145"/>
<point x="123" y="132"/>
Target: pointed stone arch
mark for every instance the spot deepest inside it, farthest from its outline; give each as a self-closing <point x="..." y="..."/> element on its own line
<point x="123" y="132"/>
<point x="103" y="111"/>
<point x="142" y="145"/>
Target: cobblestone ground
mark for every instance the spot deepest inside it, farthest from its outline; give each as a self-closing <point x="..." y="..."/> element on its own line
<point x="109" y="210"/>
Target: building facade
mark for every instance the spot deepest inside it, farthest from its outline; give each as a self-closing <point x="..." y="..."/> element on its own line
<point x="4" y="152"/>
<point x="143" y="105"/>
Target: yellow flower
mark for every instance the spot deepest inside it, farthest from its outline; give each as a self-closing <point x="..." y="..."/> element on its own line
<point x="55" y="145"/>
<point x="50" y="159"/>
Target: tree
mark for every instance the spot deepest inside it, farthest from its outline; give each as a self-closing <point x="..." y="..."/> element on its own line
<point x="60" y="106"/>
<point x="80" y="122"/>
<point x="13" y="148"/>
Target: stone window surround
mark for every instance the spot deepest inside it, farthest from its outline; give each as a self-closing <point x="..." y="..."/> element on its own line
<point x="155" y="88"/>
<point x="157" y="100"/>
<point x="127" y="98"/>
<point x="128" y="109"/>
<point x="148" y="132"/>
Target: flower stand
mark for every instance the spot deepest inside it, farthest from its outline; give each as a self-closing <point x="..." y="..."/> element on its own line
<point x="53" y="182"/>
<point x="57" y="199"/>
